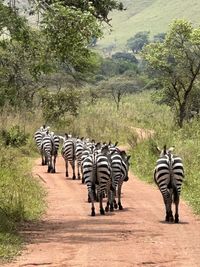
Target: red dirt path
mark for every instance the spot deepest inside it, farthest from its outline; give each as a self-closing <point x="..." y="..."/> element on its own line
<point x="68" y="236"/>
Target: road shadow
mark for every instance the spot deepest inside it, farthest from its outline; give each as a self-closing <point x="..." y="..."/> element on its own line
<point x="181" y="222"/>
<point x="93" y="229"/>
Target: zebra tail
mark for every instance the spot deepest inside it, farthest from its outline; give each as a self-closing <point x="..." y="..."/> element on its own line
<point x="175" y="189"/>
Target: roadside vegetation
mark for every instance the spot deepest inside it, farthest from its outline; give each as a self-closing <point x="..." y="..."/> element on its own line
<point x="50" y="74"/>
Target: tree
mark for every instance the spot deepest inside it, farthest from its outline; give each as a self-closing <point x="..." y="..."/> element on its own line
<point x="55" y="106"/>
<point x="22" y="60"/>
<point x="69" y="32"/>
<point x="99" y="9"/>
<point x="137" y="42"/>
<point x="177" y="64"/>
<point x="159" y="37"/>
<point x="118" y="87"/>
<point x="125" y="56"/>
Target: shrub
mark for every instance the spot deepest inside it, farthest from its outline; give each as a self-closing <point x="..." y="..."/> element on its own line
<point x="14" y="136"/>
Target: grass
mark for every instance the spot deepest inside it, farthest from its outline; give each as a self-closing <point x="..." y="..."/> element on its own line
<point x="21" y="196"/>
<point x="152" y="15"/>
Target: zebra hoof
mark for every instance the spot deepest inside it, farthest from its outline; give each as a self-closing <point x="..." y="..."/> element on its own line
<point x="106" y="209"/>
<point x="93" y="213"/>
<point x="176" y="219"/>
<point x="111" y="209"/>
<point x="171" y="219"/>
<point x="102" y="212"/>
<point x="115" y="206"/>
<point x="120" y="207"/>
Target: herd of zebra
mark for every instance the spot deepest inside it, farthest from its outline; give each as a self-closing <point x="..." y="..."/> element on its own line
<point x="104" y="168"/>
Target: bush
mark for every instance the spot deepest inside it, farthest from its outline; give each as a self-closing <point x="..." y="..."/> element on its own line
<point x="14" y="136"/>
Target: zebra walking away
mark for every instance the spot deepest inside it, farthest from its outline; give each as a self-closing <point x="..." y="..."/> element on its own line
<point x="39" y="134"/>
<point x="50" y="146"/>
<point x="168" y="176"/>
<point x="97" y="171"/>
<point x="120" y="167"/>
<point x="69" y="154"/>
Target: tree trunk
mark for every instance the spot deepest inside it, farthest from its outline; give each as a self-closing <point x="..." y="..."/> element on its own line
<point x="182" y="114"/>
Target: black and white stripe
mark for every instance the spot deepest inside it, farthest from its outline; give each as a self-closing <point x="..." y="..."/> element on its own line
<point x="50" y="146"/>
<point x="39" y="135"/>
<point x="69" y="154"/>
<point x="120" y="168"/>
<point x="97" y="171"/>
<point x="168" y="175"/>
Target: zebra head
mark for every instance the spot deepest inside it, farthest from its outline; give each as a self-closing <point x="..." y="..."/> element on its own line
<point x="165" y="151"/>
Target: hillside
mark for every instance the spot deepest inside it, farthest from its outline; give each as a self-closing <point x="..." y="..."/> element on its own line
<point x="147" y="15"/>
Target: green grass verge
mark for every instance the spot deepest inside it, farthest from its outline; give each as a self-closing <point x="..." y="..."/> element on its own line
<point x="21" y="198"/>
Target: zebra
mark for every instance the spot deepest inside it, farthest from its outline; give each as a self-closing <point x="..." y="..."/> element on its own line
<point x="97" y="171"/>
<point x="120" y="167"/>
<point x="39" y="134"/>
<point x="80" y="146"/>
<point x="169" y="175"/>
<point x="50" y="146"/>
<point x="69" y="154"/>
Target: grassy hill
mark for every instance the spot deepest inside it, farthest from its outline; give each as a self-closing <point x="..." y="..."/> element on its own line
<point x="148" y="15"/>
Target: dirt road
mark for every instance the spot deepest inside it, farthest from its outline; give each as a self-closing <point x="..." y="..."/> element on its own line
<point x="68" y="236"/>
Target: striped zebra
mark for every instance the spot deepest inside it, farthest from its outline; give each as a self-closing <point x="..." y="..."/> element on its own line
<point x="120" y="167"/>
<point x="80" y="145"/>
<point x="69" y="154"/>
<point x="97" y="171"/>
<point x="168" y="176"/>
<point x="39" y="134"/>
<point x="50" y="146"/>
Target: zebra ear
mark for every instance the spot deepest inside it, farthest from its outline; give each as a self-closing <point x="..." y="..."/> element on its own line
<point x="123" y="153"/>
<point x="82" y="138"/>
<point x="158" y="149"/>
<point x="128" y="157"/>
<point x="109" y="143"/>
<point x="66" y="136"/>
<point x="116" y="143"/>
<point x="171" y="148"/>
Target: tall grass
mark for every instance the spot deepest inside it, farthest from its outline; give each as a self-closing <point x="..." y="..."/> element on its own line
<point x="21" y="195"/>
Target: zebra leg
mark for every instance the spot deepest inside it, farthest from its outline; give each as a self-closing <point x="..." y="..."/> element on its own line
<point x="66" y="165"/>
<point x="119" y="195"/>
<point x="90" y="195"/>
<point x="43" y="158"/>
<point x="78" y="167"/>
<point x="108" y="202"/>
<point x="97" y="192"/>
<point x="102" y="212"/>
<point x="51" y="164"/>
<point x="73" y="170"/>
<point x="54" y="164"/>
<point x="176" y="210"/>
<point x="83" y="180"/>
<point x="168" y="205"/>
